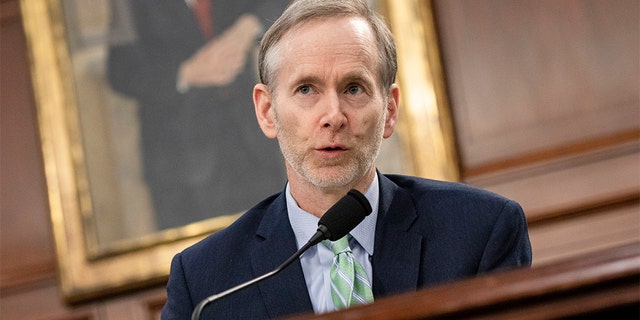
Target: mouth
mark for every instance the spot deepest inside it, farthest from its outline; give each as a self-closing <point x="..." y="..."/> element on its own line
<point x="332" y="147"/>
<point x="330" y="152"/>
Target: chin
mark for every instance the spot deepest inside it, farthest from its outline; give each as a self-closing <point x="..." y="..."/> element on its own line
<point x="333" y="178"/>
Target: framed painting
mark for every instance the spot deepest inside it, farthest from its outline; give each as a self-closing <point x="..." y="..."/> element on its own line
<point x="146" y="153"/>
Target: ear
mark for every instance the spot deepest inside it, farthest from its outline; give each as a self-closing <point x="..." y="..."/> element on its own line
<point x="262" y="103"/>
<point x="392" y="111"/>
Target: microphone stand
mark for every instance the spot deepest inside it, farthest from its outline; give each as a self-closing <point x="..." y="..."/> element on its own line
<point x="319" y="236"/>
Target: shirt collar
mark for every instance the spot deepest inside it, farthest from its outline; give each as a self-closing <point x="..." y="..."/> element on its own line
<point x="305" y="224"/>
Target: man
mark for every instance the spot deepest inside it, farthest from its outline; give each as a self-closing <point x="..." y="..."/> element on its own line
<point x="328" y="96"/>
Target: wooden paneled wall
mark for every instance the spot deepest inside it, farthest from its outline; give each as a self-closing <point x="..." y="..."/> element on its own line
<point x="545" y="100"/>
<point x="546" y="106"/>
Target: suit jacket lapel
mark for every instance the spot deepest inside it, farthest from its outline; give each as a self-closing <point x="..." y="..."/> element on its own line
<point x="286" y="292"/>
<point x="396" y="258"/>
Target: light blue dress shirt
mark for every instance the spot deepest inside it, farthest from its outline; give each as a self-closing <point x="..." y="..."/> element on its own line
<point x="316" y="262"/>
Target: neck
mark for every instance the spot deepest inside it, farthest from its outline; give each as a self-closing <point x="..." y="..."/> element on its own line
<point x="317" y="200"/>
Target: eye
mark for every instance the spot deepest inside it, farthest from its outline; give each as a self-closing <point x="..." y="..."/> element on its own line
<point x="305" y="89"/>
<point x="354" y="89"/>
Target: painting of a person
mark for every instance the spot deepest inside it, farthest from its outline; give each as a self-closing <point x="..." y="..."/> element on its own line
<point x="190" y="67"/>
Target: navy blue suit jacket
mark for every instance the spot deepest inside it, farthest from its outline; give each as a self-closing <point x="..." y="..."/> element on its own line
<point x="428" y="232"/>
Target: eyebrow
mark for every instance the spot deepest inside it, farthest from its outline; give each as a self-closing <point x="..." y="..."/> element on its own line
<point x="307" y="79"/>
<point x="358" y="76"/>
<point x="353" y="76"/>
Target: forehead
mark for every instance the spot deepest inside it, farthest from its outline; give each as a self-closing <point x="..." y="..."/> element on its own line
<point x="329" y="43"/>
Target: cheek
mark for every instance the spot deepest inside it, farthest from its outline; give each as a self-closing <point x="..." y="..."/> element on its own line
<point x="300" y="121"/>
<point x="288" y="125"/>
<point x="371" y="123"/>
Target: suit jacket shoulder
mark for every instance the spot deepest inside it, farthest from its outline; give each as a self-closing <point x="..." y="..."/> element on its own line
<point x="439" y="231"/>
<point x="257" y="243"/>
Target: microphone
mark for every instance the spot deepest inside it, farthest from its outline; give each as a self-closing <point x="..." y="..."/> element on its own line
<point x="341" y="218"/>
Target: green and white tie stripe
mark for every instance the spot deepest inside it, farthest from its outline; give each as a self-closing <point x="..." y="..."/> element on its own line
<point x="349" y="281"/>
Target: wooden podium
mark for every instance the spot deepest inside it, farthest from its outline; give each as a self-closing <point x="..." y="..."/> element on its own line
<point x="604" y="285"/>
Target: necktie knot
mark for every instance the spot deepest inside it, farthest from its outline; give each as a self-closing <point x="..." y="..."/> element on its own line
<point x="339" y="246"/>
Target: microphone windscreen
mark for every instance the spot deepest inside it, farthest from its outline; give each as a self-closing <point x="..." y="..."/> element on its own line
<point x="345" y="215"/>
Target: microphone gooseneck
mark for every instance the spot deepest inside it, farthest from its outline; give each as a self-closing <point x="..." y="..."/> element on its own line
<point x="341" y="218"/>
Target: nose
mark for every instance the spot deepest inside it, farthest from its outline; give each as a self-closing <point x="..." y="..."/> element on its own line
<point x="333" y="116"/>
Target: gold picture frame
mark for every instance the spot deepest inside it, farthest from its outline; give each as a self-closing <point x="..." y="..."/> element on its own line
<point x="86" y="272"/>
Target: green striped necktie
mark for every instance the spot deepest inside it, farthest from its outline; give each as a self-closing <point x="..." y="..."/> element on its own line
<point x="349" y="281"/>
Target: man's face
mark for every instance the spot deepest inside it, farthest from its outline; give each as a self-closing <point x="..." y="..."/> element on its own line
<point x="328" y="111"/>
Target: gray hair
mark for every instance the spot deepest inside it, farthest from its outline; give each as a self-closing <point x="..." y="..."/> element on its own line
<point x="302" y="11"/>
